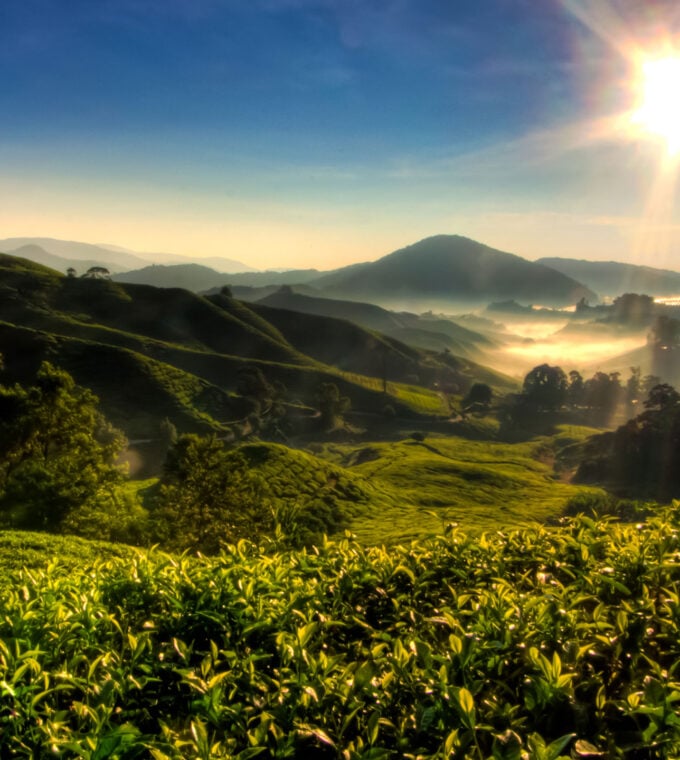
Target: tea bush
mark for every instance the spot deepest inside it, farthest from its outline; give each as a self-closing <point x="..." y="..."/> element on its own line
<point x="536" y="643"/>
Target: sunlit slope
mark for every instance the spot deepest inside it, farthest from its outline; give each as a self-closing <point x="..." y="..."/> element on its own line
<point x="136" y="392"/>
<point x="172" y="315"/>
<point x="101" y="331"/>
<point x="441" y="480"/>
<point x="456" y="268"/>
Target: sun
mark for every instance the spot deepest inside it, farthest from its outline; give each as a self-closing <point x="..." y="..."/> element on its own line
<point x="658" y="110"/>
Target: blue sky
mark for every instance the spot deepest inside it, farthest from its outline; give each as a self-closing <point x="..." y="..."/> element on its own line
<point x="320" y="132"/>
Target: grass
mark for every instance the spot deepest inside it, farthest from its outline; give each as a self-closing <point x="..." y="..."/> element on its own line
<point x="480" y="485"/>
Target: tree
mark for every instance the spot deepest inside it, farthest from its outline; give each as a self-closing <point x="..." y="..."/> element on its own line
<point x="633" y="309"/>
<point x="479" y="393"/>
<point x="208" y="497"/>
<point x="57" y="451"/>
<point x="603" y="392"/>
<point x="71" y="272"/>
<point x="665" y="333"/>
<point x="576" y="390"/>
<point x="97" y="273"/>
<point x="545" y="387"/>
<point x="331" y="405"/>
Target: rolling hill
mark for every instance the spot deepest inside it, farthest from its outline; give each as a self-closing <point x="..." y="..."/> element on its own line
<point x="453" y="268"/>
<point x="613" y="278"/>
<point x="423" y="331"/>
<point x="195" y="277"/>
<point x="151" y="353"/>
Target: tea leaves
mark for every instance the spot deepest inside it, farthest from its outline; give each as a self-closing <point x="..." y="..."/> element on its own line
<point x="536" y="643"/>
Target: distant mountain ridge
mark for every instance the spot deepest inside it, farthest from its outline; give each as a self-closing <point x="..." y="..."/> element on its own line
<point x="39" y="255"/>
<point x="448" y="268"/>
<point x="613" y="278"/>
<point x="455" y="268"/>
<point x="113" y="257"/>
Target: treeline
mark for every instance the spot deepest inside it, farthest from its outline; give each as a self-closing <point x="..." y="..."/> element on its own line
<point x="60" y="472"/>
<point x="548" y="389"/>
<point x="641" y="457"/>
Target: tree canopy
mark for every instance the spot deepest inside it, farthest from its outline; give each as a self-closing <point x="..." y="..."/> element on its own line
<point x="57" y="451"/>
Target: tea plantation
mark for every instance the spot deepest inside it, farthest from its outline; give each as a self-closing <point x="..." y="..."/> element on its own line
<point x="536" y="643"/>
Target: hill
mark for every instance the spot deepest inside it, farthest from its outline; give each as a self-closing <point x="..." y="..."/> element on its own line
<point x="613" y="278"/>
<point x="39" y="255"/>
<point x="151" y="352"/>
<point x="195" y="277"/>
<point x="198" y="277"/>
<point x="453" y="268"/>
<point x="427" y="332"/>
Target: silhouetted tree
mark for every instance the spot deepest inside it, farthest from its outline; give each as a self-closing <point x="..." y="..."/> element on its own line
<point x="479" y="393"/>
<point x="576" y="392"/>
<point x="545" y="387"/>
<point x="97" y="273"/>
<point x="633" y="309"/>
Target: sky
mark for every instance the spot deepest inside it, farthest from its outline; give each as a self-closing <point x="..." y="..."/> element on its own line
<point x="317" y="133"/>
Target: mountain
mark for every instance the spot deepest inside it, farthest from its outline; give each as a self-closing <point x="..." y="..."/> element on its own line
<point x="453" y="268"/>
<point x="612" y="278"/>
<point x="348" y="346"/>
<point x="71" y="249"/>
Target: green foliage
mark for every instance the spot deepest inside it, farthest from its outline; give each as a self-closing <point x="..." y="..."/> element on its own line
<point x="57" y="452"/>
<point x="479" y="393"/>
<point x="207" y="498"/>
<point x="545" y="387"/>
<point x="331" y="405"/>
<point x="536" y="643"/>
<point x="426" y="483"/>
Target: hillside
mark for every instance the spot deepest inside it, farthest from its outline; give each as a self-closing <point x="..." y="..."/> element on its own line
<point x="151" y="353"/>
<point x="427" y="332"/>
<point x="61" y="264"/>
<point x="194" y="277"/>
<point x="613" y="278"/>
<point x="199" y="277"/>
<point x="454" y="268"/>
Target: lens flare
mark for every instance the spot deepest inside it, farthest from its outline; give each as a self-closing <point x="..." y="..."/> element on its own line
<point x="659" y="110"/>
